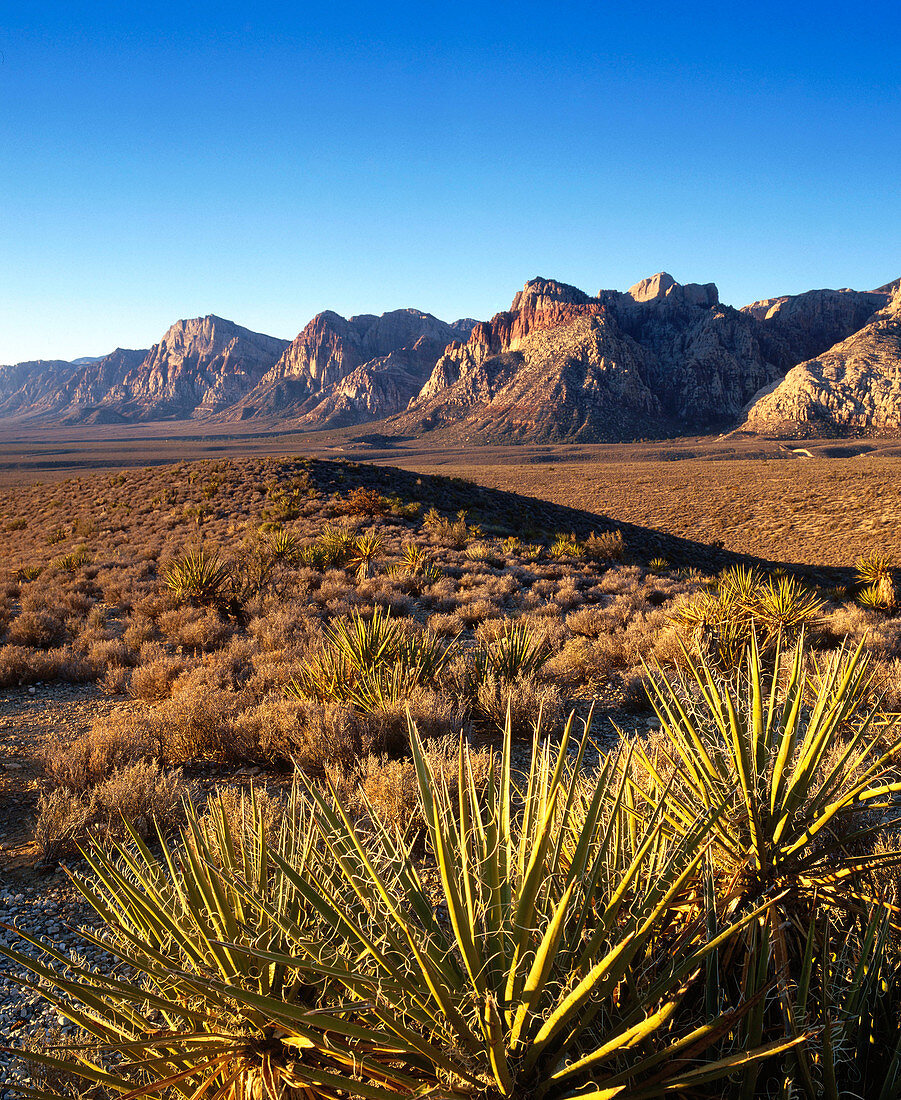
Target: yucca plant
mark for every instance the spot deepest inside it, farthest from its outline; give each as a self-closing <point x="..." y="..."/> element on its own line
<point x="333" y="548"/>
<point x="179" y="923"/>
<point x="721" y="619"/>
<point x="283" y="545"/>
<point x="658" y="565"/>
<point x="68" y="563"/>
<point x="802" y="782"/>
<point x="807" y="782"/>
<point x="847" y="989"/>
<point x="415" y="561"/>
<point x="567" y="546"/>
<point x="28" y="573"/>
<point x="517" y="651"/>
<point x="553" y="961"/>
<point x="782" y="607"/>
<point x="370" y="662"/>
<point x="197" y="577"/>
<point x="366" y="549"/>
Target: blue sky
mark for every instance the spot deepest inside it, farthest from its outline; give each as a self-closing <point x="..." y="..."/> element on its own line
<point x="160" y="161"/>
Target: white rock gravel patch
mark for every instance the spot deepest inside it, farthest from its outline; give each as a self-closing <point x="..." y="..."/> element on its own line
<point x="54" y="915"/>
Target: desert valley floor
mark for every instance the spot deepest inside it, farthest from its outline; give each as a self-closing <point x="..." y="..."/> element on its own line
<point x="817" y="502"/>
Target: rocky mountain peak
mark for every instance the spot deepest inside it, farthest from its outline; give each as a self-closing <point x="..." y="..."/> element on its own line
<point x="662" y="287"/>
<point x="539" y="293"/>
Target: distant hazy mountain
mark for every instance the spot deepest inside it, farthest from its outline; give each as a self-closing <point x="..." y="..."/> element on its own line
<point x="199" y="367"/>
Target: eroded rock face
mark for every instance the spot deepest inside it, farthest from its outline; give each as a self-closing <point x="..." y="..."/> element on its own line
<point x="340" y="371"/>
<point x="855" y="387"/>
<point x="810" y="323"/>
<point x="560" y="364"/>
<point x="199" y="367"/>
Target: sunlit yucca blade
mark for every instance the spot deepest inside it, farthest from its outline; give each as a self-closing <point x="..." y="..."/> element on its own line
<point x="565" y="932"/>
<point x="197" y="576"/>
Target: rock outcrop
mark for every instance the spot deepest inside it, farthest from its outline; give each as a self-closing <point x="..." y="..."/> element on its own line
<point x="198" y="368"/>
<point x="341" y="371"/>
<point x="659" y="359"/>
<point x="853" y="388"/>
<point x="810" y="323"/>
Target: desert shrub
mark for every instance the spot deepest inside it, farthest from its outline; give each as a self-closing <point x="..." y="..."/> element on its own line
<point x="390" y="789"/>
<point x="115" y="741"/>
<point x="447" y="626"/>
<point x="140" y="796"/>
<point x="608" y="546"/>
<point x="590" y="621"/>
<point x="199" y="721"/>
<point x="153" y="681"/>
<point x="581" y="662"/>
<point x="522" y="700"/>
<point x="22" y="665"/>
<point x="315" y="736"/>
<point x="363" y="502"/>
<point x="38" y="628"/>
<point x="115" y="680"/>
<point x="200" y="628"/>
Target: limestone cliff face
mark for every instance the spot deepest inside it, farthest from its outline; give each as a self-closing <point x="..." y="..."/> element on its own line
<point x="341" y="370"/>
<point x="560" y="364"/>
<point x="854" y="387"/>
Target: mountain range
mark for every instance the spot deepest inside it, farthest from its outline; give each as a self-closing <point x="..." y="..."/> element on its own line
<point x="657" y="360"/>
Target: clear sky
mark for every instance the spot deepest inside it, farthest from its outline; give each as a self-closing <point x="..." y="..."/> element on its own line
<point x="265" y="162"/>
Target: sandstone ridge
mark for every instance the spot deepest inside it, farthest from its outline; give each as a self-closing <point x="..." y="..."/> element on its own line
<point x="853" y="388"/>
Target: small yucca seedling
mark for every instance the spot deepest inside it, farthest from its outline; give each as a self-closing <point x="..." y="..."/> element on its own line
<point x="28" y="573"/>
<point x="68" y="563"/>
<point x="283" y="545"/>
<point x="658" y="565"/>
<point x="199" y="577"/>
<point x="517" y="651"/>
<point x="567" y="546"/>
<point x="365" y="550"/>
<point x="415" y="561"/>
